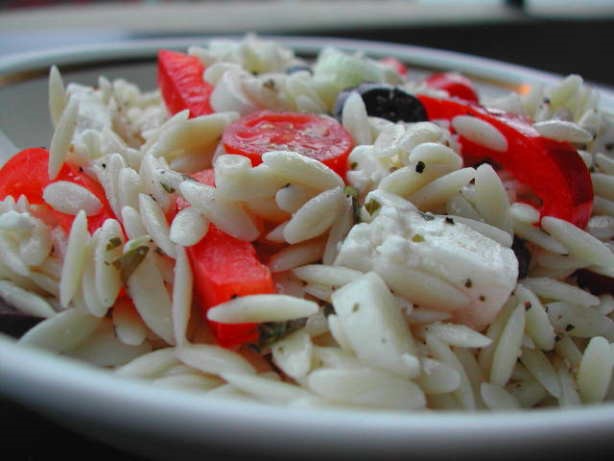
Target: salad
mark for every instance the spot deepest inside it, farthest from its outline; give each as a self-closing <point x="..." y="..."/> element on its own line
<point x="319" y="234"/>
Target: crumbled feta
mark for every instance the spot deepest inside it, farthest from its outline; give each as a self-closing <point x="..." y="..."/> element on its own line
<point x="474" y="275"/>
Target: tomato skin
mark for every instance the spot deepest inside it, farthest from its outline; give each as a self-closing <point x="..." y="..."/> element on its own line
<point x="553" y="170"/>
<point x="315" y="136"/>
<point x="456" y="85"/>
<point x="180" y="79"/>
<point x="26" y="173"/>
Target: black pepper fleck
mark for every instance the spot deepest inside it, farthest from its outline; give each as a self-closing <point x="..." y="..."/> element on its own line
<point x="528" y="305"/>
<point x="449" y="220"/>
<point x="569" y="327"/>
<point x="355" y="307"/>
<point x="420" y="166"/>
<point x="482" y="298"/>
<point x="468" y="283"/>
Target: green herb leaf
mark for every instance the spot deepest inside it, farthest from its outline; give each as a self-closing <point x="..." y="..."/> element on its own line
<point x="328" y="309"/>
<point x="113" y="243"/>
<point x="350" y="191"/>
<point x="167" y="188"/>
<point x="372" y="206"/>
<point x="129" y="261"/>
<point x="271" y="332"/>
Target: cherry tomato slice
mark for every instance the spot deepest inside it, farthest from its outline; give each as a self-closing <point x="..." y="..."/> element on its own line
<point x="26" y="173"/>
<point x="180" y="79"/>
<point x="316" y="136"/>
<point x="456" y="85"/>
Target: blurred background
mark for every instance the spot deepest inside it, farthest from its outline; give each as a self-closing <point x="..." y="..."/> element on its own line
<point x="560" y="36"/>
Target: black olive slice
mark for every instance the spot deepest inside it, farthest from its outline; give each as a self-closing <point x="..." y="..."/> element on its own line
<point x="385" y="101"/>
<point x="523" y="255"/>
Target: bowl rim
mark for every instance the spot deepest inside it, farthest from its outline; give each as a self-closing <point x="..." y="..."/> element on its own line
<point x="189" y="414"/>
<point x="485" y="68"/>
<point x="27" y="374"/>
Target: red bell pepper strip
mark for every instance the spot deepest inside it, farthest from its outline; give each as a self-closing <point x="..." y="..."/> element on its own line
<point x="180" y="79"/>
<point x="315" y="136"/>
<point x="26" y="173"/>
<point x="553" y="170"/>
<point x="225" y="267"/>
<point x="456" y="85"/>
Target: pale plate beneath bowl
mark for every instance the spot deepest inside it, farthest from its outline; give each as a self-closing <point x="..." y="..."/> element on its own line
<point x="165" y="424"/>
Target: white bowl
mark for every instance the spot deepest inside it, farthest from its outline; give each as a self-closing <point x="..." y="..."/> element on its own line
<point x="163" y="423"/>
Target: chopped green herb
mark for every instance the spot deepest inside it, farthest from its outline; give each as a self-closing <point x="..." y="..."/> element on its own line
<point x="372" y="206"/>
<point x="167" y="188"/>
<point x="113" y="243"/>
<point x="417" y="238"/>
<point x="355" y="307"/>
<point x="350" y="191"/>
<point x="427" y="216"/>
<point x="420" y="166"/>
<point x="129" y="261"/>
<point x="328" y="309"/>
<point x="271" y="332"/>
<point x="269" y="84"/>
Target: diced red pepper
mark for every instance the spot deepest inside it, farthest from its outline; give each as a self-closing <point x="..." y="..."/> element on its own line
<point x="395" y="64"/>
<point x="225" y="267"/>
<point x="553" y="170"/>
<point x="455" y="84"/>
<point x="180" y="79"/>
<point x="316" y="136"/>
<point x="26" y="173"/>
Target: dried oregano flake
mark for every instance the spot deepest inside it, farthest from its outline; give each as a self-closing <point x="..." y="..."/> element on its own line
<point x="129" y="261"/>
